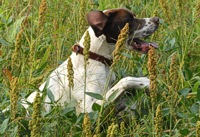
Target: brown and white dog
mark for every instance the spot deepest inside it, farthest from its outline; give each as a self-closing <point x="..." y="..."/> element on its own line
<point x="104" y="29"/>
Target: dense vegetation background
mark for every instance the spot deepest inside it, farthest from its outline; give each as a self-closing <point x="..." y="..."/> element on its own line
<point x="36" y="36"/>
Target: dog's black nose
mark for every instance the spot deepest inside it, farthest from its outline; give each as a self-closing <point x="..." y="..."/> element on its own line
<point x="155" y="20"/>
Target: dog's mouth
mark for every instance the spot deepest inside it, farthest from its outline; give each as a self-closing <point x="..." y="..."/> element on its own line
<point x="141" y="45"/>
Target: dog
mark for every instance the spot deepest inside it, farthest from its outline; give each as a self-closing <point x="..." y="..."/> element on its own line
<point x="104" y="28"/>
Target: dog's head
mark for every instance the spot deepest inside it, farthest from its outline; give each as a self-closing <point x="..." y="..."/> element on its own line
<point x="110" y="22"/>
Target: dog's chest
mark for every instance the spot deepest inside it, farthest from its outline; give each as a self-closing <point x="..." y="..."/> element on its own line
<point x="95" y="77"/>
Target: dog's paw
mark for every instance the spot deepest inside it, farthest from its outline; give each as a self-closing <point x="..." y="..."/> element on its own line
<point x="145" y="82"/>
<point x="138" y="83"/>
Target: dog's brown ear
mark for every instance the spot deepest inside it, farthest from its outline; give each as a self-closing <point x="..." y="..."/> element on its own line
<point x="97" y="20"/>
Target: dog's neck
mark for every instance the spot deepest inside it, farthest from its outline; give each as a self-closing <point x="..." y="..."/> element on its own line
<point x="99" y="44"/>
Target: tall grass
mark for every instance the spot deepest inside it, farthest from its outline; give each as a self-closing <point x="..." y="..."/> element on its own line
<point x="29" y="52"/>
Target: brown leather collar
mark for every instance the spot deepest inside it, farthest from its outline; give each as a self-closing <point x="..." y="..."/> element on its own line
<point x="79" y="50"/>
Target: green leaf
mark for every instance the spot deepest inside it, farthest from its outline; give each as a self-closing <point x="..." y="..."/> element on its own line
<point x="172" y="42"/>
<point x="112" y="96"/>
<point x="4" y="126"/>
<point x="14" y="29"/>
<point x="50" y="95"/>
<point x="188" y="73"/>
<point x="10" y="20"/>
<point x="96" y="2"/>
<point x="184" y="92"/>
<point x="166" y="111"/>
<point x="182" y="115"/>
<point x="53" y="124"/>
<point x="15" y="130"/>
<point x="3" y="19"/>
<point x="194" y="109"/>
<point x="196" y="86"/>
<point x="197" y="78"/>
<point x="1" y="59"/>
<point x="43" y="62"/>
<point x="4" y="42"/>
<point x="196" y="89"/>
<point x="94" y="95"/>
<point x="93" y="116"/>
<point x="96" y="107"/>
<point x="45" y="57"/>
<point x="39" y="70"/>
<point x="73" y="103"/>
<point x="68" y="110"/>
<point x="80" y="118"/>
<point x="184" y="132"/>
<point x="198" y="95"/>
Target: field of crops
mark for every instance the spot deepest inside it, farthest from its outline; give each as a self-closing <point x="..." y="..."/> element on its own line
<point x="36" y="36"/>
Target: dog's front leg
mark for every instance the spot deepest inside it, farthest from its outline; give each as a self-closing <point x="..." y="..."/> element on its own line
<point x="124" y="84"/>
